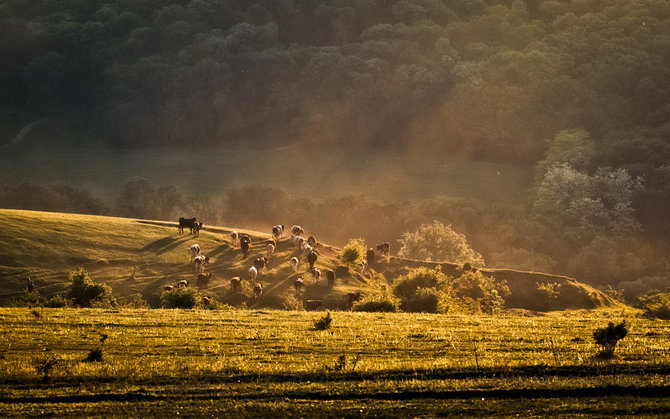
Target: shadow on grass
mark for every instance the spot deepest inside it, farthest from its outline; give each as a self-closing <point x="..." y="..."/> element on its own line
<point x="165" y="244"/>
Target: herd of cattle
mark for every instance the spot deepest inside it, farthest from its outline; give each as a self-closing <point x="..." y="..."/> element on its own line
<point x="306" y="248"/>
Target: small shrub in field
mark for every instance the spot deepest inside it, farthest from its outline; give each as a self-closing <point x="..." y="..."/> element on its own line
<point x="291" y="302"/>
<point x="480" y="292"/>
<point x="84" y="292"/>
<point x="57" y="301"/>
<point x="421" y="290"/>
<point x="324" y="322"/>
<point x="45" y="363"/>
<point x="353" y="252"/>
<point x="424" y="300"/>
<point x="608" y="337"/>
<point x="180" y="298"/>
<point x="94" y="355"/>
<point x="377" y="303"/>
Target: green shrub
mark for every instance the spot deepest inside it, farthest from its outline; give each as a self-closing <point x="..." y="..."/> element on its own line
<point x="84" y="292"/>
<point x="180" y="298"/>
<point x="424" y="300"/>
<point x="608" y="337"/>
<point x="480" y="292"/>
<point x="94" y="355"/>
<point x="407" y="285"/>
<point x="353" y="252"/>
<point x="291" y="302"/>
<point x="324" y="322"/>
<point x="45" y="364"/>
<point x="377" y="303"/>
<point x="655" y="304"/>
<point x="57" y="301"/>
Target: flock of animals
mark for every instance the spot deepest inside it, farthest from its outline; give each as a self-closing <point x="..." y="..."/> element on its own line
<point x="303" y="248"/>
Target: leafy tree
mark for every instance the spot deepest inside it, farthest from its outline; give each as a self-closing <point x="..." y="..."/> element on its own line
<point x="85" y="293"/>
<point x="438" y="242"/>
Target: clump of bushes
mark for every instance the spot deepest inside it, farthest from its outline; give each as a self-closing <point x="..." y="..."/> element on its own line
<point x="608" y="337"/>
<point x="85" y="293"/>
<point x="655" y="304"/>
<point x="382" y="303"/>
<point x="480" y="293"/>
<point x="353" y="252"/>
<point x="180" y="298"/>
<point x="35" y="299"/>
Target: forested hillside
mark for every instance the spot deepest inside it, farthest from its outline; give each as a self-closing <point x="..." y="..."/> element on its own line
<point x="576" y="91"/>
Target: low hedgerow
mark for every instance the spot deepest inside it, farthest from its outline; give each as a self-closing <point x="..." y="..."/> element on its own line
<point x="180" y="298"/>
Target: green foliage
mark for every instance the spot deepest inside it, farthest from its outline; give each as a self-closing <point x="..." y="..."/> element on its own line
<point x="84" y="292"/>
<point x="186" y="297"/>
<point x="656" y="304"/>
<point x="353" y="252"/>
<point x="438" y="242"/>
<point x="421" y="289"/>
<point x="382" y="303"/>
<point x="608" y="337"/>
<point x="324" y="322"/>
<point x="481" y="293"/>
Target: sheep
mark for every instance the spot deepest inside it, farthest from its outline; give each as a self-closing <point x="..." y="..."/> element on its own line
<point x="313" y="304"/>
<point x="270" y="250"/>
<point x="182" y="284"/>
<point x="203" y="279"/>
<point x="311" y="241"/>
<point x="312" y="256"/>
<point x="296" y="230"/>
<point x="168" y="288"/>
<point x="234" y="236"/>
<point x="258" y="290"/>
<point x="278" y="231"/>
<point x="186" y="222"/>
<point x="294" y="264"/>
<point x="253" y="274"/>
<point x="384" y="249"/>
<point x="260" y="264"/>
<point x="195" y="229"/>
<point x="245" y="243"/>
<point x="200" y="263"/>
<point x="316" y="273"/>
<point x="195" y="251"/>
<point x="370" y="256"/>
<point x="298" y="284"/>
<point x="330" y="276"/>
<point x="235" y="283"/>
<point x="352" y="297"/>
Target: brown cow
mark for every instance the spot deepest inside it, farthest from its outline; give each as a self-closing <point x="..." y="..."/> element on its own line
<point x="203" y="279"/>
<point x="370" y="256"/>
<point x="313" y="304"/>
<point x="298" y="284"/>
<point x="260" y="264"/>
<point x="258" y="290"/>
<point x="352" y="297"/>
<point x="186" y="223"/>
<point x="235" y="283"/>
<point x="330" y="276"/>
<point x="312" y="256"/>
<point x="384" y="249"/>
<point x="245" y="243"/>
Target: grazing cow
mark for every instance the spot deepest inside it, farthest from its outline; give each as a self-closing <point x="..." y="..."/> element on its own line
<point x="312" y="256"/>
<point x="168" y="288"/>
<point x="203" y="279"/>
<point x="30" y="286"/>
<point x="330" y="276"/>
<point x="311" y="241"/>
<point x="294" y="264"/>
<point x="370" y="256"/>
<point x="182" y="284"/>
<point x="298" y="284"/>
<point x="200" y="263"/>
<point x="296" y="230"/>
<point x="253" y="274"/>
<point x="195" y="229"/>
<point x="235" y="283"/>
<point x="270" y="250"/>
<point x="186" y="223"/>
<point x="272" y="242"/>
<point x="234" y="236"/>
<point x="364" y="267"/>
<point x="278" y="231"/>
<point x="245" y="243"/>
<point x="313" y="304"/>
<point x="384" y="249"/>
<point x="260" y="264"/>
<point x="298" y="242"/>
<point x="258" y="290"/>
<point x="316" y="273"/>
<point x="195" y="251"/>
<point x="352" y="297"/>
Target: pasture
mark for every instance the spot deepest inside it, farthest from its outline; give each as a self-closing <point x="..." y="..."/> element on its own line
<point x="250" y="362"/>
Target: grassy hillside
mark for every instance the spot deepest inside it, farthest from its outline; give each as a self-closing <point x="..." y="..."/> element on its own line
<point x="139" y="257"/>
<point x="253" y="363"/>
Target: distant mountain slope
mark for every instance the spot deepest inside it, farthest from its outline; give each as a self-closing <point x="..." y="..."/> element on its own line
<point x="139" y="257"/>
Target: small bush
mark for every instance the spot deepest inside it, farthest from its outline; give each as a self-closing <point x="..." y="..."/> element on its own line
<point x="57" y="301"/>
<point x="291" y="302"/>
<point x="84" y="292"/>
<point x="324" y="322"/>
<point x="45" y="363"/>
<point x="608" y="337"/>
<point x="353" y="252"/>
<point x="377" y="303"/>
<point x="407" y="285"/>
<point x="480" y="292"/>
<point x="424" y="300"/>
<point x="94" y="355"/>
<point x="655" y="304"/>
<point x="180" y="298"/>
